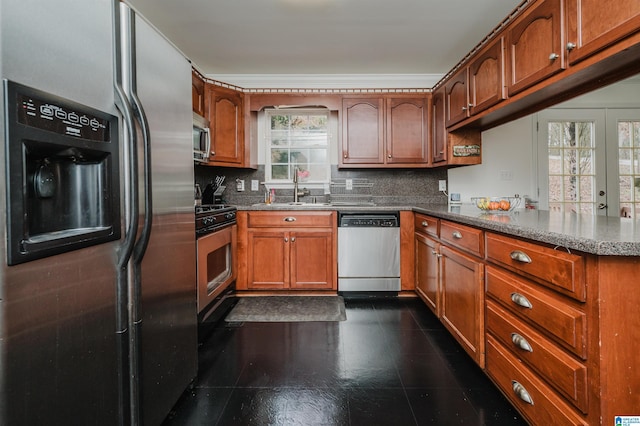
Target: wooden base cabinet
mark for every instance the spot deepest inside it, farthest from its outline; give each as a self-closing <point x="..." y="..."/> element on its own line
<point x="450" y="278"/>
<point x="561" y="334"/>
<point x="427" y="271"/>
<point x="462" y="283"/>
<point x="287" y="250"/>
<point x="427" y="266"/>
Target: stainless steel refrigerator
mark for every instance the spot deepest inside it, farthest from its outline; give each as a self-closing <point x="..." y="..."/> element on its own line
<point x="97" y="277"/>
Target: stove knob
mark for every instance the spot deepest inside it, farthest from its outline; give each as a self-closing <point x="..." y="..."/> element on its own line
<point x="230" y="215"/>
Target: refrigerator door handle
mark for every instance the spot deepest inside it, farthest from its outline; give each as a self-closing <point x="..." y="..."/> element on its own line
<point x="125" y="250"/>
<point x="141" y="118"/>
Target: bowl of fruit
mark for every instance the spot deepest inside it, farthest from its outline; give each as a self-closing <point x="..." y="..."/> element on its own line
<point x="496" y="204"/>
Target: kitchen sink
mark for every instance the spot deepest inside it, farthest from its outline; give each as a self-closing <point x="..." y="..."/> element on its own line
<point x="303" y="204"/>
<point x="293" y="204"/>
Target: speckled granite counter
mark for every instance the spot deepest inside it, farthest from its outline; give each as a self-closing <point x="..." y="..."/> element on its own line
<point x="590" y="234"/>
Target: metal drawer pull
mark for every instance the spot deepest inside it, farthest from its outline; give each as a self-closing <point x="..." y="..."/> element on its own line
<point x="520" y="256"/>
<point x="289" y="219"/>
<point x="521" y="342"/>
<point x="425" y="223"/>
<point x="520" y="300"/>
<point x="456" y="234"/>
<point x="293" y="239"/>
<point x="521" y="392"/>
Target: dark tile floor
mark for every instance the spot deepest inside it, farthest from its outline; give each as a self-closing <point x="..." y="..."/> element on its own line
<point x="390" y="363"/>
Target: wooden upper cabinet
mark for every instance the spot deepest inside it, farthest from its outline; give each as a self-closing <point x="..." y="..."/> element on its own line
<point x="226" y="124"/>
<point x="407" y="130"/>
<point x="362" y="131"/>
<point x="535" y="47"/>
<point x="486" y="77"/>
<point x="197" y="94"/>
<point x="439" y="129"/>
<point x="385" y="131"/>
<point x="457" y="97"/>
<point x="593" y="25"/>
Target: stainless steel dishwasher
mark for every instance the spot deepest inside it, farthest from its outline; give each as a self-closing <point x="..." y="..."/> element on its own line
<point x="368" y="251"/>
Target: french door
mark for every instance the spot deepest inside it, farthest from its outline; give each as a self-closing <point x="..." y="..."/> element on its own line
<point x="589" y="161"/>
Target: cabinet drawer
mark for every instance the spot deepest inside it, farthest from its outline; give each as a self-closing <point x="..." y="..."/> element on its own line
<point x="291" y="219"/>
<point x="555" y="269"/>
<point x="462" y="237"/>
<point x="564" y="323"/>
<point x="426" y="225"/>
<point x="533" y="398"/>
<point x="559" y="369"/>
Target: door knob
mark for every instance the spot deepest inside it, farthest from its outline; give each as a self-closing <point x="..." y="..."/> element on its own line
<point x="602" y="206"/>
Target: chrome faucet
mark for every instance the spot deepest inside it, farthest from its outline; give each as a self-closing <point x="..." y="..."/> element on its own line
<point x="297" y="193"/>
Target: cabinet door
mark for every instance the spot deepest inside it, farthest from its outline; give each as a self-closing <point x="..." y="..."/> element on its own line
<point x="457" y="98"/>
<point x="427" y="274"/>
<point x="267" y="259"/>
<point x="593" y="25"/>
<point x="407" y="136"/>
<point x="439" y="134"/>
<point x="197" y="94"/>
<point x="486" y="77"/>
<point x="225" y="116"/>
<point x="362" y="131"/>
<point x="534" y="46"/>
<point x="312" y="260"/>
<point x="463" y="300"/>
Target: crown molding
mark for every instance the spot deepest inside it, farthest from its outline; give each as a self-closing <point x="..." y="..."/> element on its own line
<point x="329" y="81"/>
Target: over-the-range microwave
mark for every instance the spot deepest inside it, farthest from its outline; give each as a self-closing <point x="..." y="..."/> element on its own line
<point x="201" y="139"/>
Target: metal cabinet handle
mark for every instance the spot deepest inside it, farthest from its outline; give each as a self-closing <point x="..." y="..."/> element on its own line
<point x="289" y="219"/>
<point x="213" y="153"/>
<point x="553" y="56"/>
<point x="293" y="239"/>
<point x="346" y="155"/>
<point x="434" y="252"/>
<point x="521" y="342"/>
<point x="286" y="239"/>
<point x="425" y="223"/>
<point x="521" y="392"/>
<point x="456" y="234"/>
<point x="520" y="300"/>
<point x="571" y="46"/>
<point x="520" y="256"/>
<point x="464" y="108"/>
<point x="388" y="155"/>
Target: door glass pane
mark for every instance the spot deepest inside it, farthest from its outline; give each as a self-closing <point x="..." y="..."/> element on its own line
<point x="571" y="151"/>
<point x="629" y="167"/>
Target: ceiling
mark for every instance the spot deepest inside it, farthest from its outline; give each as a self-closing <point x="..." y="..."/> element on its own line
<point x="278" y="40"/>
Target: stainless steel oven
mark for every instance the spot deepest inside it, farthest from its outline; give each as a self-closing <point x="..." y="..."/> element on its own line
<point x="216" y="232"/>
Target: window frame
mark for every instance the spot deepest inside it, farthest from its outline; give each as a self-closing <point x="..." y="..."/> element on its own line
<point x="282" y="183"/>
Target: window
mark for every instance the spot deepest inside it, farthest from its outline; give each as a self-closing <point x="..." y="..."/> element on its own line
<point x="297" y="139"/>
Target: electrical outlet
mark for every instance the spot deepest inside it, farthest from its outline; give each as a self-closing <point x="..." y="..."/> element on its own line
<point x="442" y="185"/>
<point x="239" y="185"/>
<point x="348" y="183"/>
<point x="506" y="175"/>
<point x="254" y="185"/>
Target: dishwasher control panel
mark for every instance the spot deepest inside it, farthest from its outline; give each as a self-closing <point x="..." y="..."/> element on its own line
<point x="369" y="220"/>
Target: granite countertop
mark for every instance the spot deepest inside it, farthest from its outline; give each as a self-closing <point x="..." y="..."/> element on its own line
<point x="598" y="235"/>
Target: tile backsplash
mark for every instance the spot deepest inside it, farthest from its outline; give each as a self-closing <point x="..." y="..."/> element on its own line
<point x="389" y="186"/>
